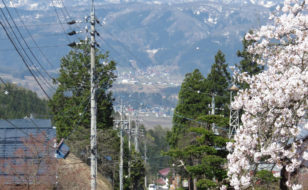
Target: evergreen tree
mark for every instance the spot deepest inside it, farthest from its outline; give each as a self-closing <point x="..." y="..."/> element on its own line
<point x="17" y="102"/>
<point x="203" y="158"/>
<point x="248" y="63"/>
<point x="137" y="172"/>
<point x="193" y="102"/>
<point x="70" y="104"/>
<point x="218" y="82"/>
<point x="192" y="139"/>
<point x="156" y="142"/>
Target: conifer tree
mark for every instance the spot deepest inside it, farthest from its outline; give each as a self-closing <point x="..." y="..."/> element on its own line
<point x="17" y="102"/>
<point x="218" y="82"/>
<point x="248" y="63"/>
<point x="203" y="158"/>
<point x="192" y="140"/>
<point x="192" y="102"/>
<point x="70" y="104"/>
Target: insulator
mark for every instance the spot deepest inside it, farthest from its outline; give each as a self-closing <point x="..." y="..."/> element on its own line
<point x="73" y="44"/>
<point x="72" y="33"/>
<point x="71" y="22"/>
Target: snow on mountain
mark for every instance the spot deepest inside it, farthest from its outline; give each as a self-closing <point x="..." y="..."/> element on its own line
<point x="43" y="5"/>
<point x="184" y="34"/>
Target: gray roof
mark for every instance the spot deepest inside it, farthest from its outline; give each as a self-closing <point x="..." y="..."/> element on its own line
<point x="12" y="136"/>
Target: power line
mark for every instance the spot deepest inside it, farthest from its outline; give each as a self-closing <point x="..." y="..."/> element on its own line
<point x="58" y="17"/>
<point x="23" y="59"/>
<point x="81" y="114"/>
<point x="56" y="35"/>
<point x="127" y="49"/>
<point x="31" y="52"/>
<point x="23" y="49"/>
<point x="67" y="13"/>
<point x="49" y="46"/>
<point x="1" y="79"/>
<point x="41" y="24"/>
<point x="196" y="121"/>
<point x="36" y="45"/>
<point x="18" y="128"/>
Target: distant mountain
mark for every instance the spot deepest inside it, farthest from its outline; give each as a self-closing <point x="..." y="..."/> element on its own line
<point x="43" y="5"/>
<point x="179" y="34"/>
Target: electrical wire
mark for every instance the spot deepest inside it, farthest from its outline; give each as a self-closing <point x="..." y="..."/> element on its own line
<point x="31" y="52"/>
<point x="23" y="49"/>
<point x="56" y="35"/>
<point x="42" y="24"/>
<point x="35" y="43"/>
<point x="67" y="13"/>
<point x="1" y="79"/>
<point x="27" y="134"/>
<point x="23" y="59"/>
<point x="128" y="50"/>
<point x="58" y="17"/>
<point x="199" y="122"/>
<point x="37" y="127"/>
<point x="51" y="46"/>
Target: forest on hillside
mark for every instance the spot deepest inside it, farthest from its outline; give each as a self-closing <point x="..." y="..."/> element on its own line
<point x="17" y="102"/>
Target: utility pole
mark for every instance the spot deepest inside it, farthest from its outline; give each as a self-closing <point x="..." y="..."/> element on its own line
<point x="129" y="132"/>
<point x="121" y="150"/>
<point x="93" y="135"/>
<point x="93" y="104"/>
<point x="120" y="126"/>
<point x="136" y="135"/>
<point x="213" y="113"/>
<point x="213" y="104"/>
<point x="129" y="143"/>
<point x="145" y="161"/>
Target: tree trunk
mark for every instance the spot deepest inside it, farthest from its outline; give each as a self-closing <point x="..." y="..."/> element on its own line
<point x="195" y="183"/>
<point x="283" y="179"/>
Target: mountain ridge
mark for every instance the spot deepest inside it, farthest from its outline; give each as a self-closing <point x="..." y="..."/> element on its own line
<point x="177" y="35"/>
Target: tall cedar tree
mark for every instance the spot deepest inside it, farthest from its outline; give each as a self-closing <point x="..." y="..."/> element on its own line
<point x="192" y="103"/>
<point x="195" y="96"/>
<point x="248" y="63"/>
<point x="70" y="104"/>
<point x="192" y="139"/>
<point x="218" y="82"/>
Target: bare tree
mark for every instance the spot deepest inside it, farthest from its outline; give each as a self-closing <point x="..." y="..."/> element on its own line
<point x="33" y="166"/>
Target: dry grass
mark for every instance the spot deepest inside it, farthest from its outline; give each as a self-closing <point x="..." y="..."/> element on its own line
<point x="75" y="175"/>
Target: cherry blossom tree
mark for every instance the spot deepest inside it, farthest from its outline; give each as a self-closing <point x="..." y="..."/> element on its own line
<point x="275" y="105"/>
